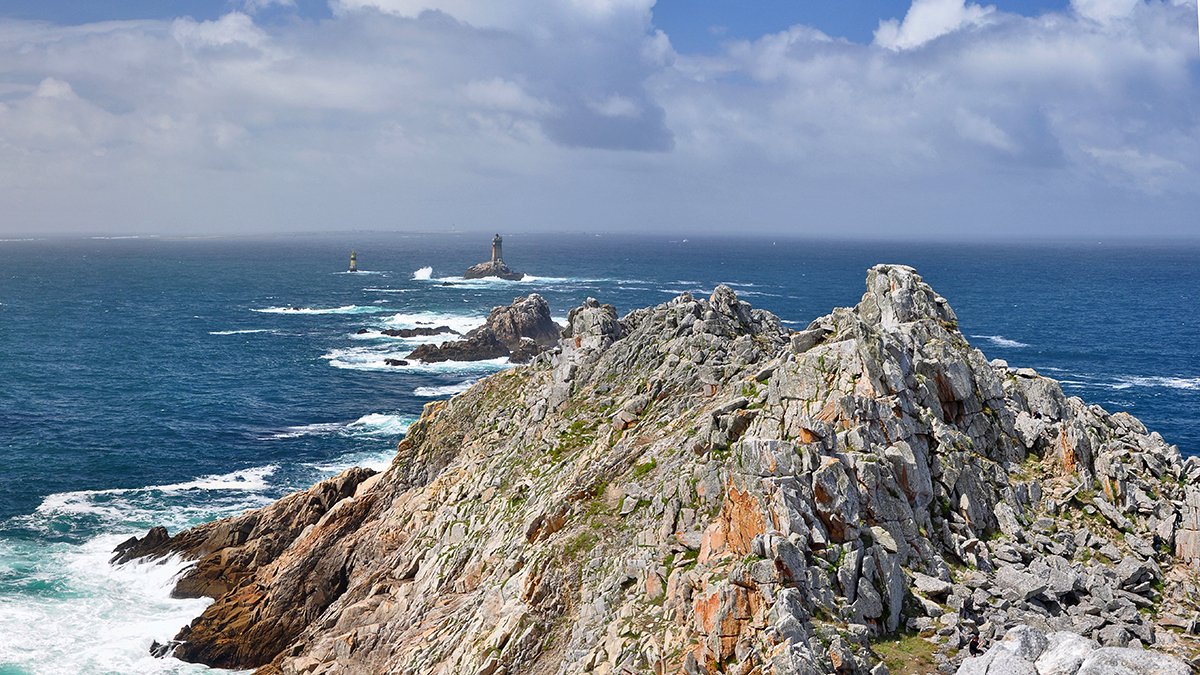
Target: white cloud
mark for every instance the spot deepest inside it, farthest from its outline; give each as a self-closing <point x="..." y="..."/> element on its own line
<point x="928" y="20"/>
<point x="234" y="28"/>
<point x="583" y="114"/>
<point x="617" y="106"/>
<point x="1104" y="11"/>
<point x="501" y="94"/>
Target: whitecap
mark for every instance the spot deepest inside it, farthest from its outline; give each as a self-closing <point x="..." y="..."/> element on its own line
<point x="374" y="358"/>
<point x="100" y="501"/>
<point x="377" y="460"/>
<point x="423" y="274"/>
<point x="346" y="309"/>
<point x="106" y="620"/>
<point x="421" y="339"/>
<point x="358" y="272"/>
<point x="1157" y="382"/>
<point x="245" y="331"/>
<point x="374" y="424"/>
<point x="1001" y="341"/>
<point x="462" y="323"/>
<point x="446" y="390"/>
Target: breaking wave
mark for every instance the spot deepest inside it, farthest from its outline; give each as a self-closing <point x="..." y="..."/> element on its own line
<point x="446" y="390"/>
<point x="1001" y="341"/>
<point x="347" y="309"/>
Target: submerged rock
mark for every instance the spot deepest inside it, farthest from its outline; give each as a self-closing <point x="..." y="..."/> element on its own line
<point x="692" y="488"/>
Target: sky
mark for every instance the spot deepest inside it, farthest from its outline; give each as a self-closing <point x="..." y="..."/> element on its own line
<point x="941" y="119"/>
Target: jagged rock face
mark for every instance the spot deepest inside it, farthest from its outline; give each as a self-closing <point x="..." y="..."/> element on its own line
<point x="526" y="317"/>
<point x="508" y="329"/>
<point x="692" y="487"/>
<point x="493" y="268"/>
<point x="479" y="345"/>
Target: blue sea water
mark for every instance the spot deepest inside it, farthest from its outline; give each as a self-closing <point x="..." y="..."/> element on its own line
<point x="156" y="381"/>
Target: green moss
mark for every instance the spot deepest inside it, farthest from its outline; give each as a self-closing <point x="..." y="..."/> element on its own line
<point x="580" y="544"/>
<point x="640" y="470"/>
<point x="906" y="654"/>
<point x="575" y="437"/>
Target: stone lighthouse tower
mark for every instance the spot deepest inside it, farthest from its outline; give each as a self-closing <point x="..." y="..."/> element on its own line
<point x="353" y="261"/>
<point x="497" y="255"/>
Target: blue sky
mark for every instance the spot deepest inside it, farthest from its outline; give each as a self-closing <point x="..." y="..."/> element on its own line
<point x="864" y="118"/>
<point x="694" y="25"/>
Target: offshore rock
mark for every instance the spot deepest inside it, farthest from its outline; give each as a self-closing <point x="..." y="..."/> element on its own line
<point x="479" y="345"/>
<point x="693" y="488"/>
<point x="526" y="317"/>
<point x="493" y="268"/>
<point x="507" y="330"/>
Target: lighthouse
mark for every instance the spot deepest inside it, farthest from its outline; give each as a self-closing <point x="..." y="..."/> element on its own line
<point x="497" y="242"/>
<point x="353" y="261"/>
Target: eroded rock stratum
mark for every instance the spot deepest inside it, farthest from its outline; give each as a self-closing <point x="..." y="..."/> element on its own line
<point x="693" y="488"/>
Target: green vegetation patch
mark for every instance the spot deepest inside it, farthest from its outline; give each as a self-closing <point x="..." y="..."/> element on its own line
<point x="640" y="470"/>
<point x="907" y="654"/>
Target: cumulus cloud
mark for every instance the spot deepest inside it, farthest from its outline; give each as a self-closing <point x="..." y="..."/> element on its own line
<point x="930" y="19"/>
<point x="1104" y="11"/>
<point x="582" y="113"/>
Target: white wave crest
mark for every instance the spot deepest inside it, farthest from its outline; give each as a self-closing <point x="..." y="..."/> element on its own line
<point x="423" y="274"/>
<point x="377" y="460"/>
<point x="446" y="390"/>
<point x="459" y="322"/>
<point x="245" y="331"/>
<point x="1001" y="341"/>
<point x="375" y="358"/>
<point x="105" y="621"/>
<point x="374" y="424"/>
<point x="390" y="290"/>
<point x="1129" y="381"/>
<point x="347" y="309"/>
<point x="527" y="280"/>
<point x="100" y="501"/>
<point x="421" y="339"/>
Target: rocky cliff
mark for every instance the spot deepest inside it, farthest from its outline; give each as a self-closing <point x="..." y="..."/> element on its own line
<point x="693" y="488"/>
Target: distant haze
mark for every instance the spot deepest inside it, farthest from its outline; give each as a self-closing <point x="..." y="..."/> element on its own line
<point x="944" y="118"/>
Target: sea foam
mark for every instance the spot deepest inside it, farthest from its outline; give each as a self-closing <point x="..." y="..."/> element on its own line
<point x="1001" y="341"/>
<point x="347" y="309"/>
<point x="446" y="390"/>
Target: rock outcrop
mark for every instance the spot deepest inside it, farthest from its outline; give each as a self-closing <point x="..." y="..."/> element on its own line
<point x="524" y="329"/>
<point x="693" y="488"/>
<point x="478" y="345"/>
<point x="527" y="317"/>
<point x="493" y="268"/>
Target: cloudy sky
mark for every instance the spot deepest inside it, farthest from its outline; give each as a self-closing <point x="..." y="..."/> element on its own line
<point x="871" y="118"/>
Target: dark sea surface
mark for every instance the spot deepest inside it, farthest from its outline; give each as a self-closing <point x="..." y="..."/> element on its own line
<point x="154" y="381"/>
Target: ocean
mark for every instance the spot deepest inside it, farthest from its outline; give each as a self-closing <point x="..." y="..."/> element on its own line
<point x="150" y="381"/>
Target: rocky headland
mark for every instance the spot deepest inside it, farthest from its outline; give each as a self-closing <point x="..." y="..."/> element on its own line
<point x="693" y="488"/>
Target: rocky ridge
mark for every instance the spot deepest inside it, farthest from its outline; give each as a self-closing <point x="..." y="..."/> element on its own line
<point x="693" y="488"/>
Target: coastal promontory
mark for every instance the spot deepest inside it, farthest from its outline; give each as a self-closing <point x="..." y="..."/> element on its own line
<point x="694" y="488"/>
